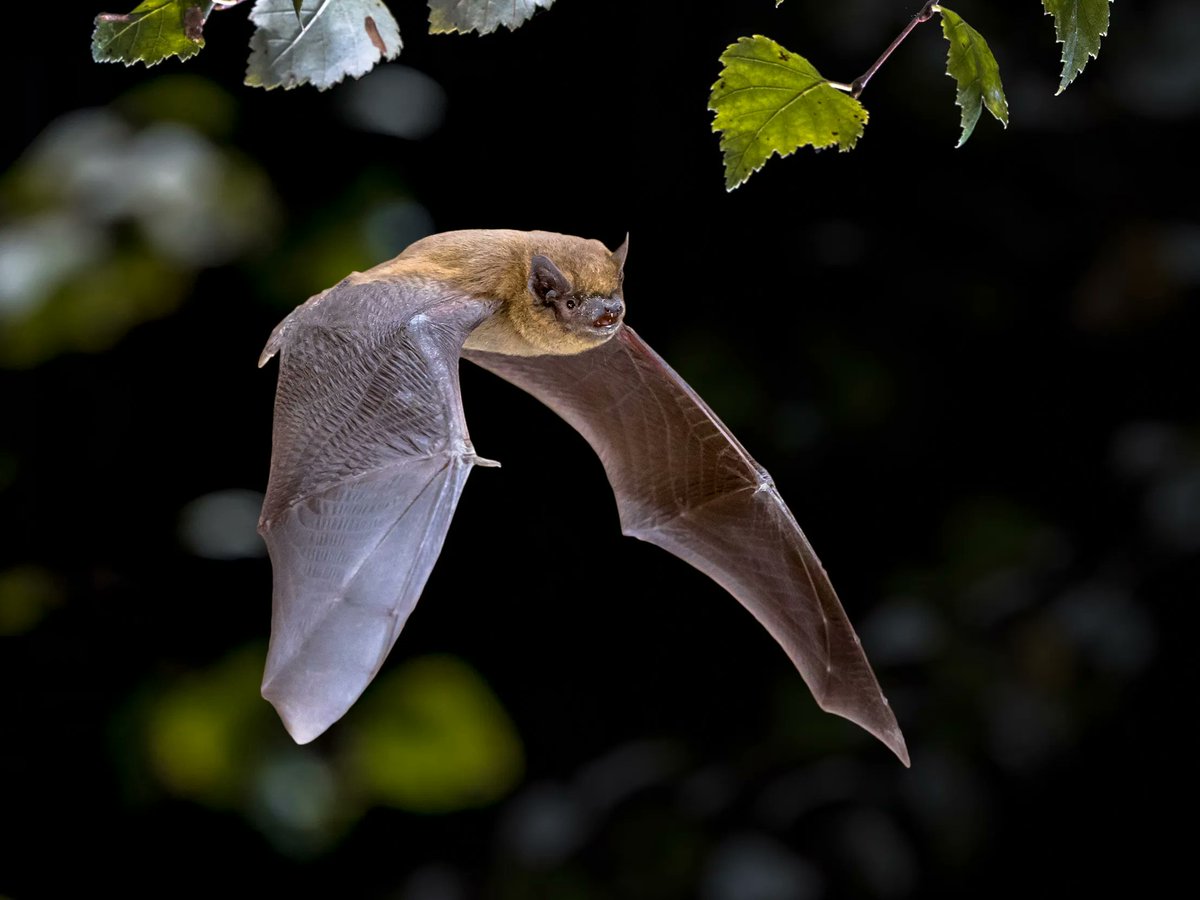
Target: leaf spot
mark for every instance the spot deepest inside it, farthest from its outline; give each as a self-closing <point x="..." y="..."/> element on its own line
<point x="193" y="24"/>
<point x="373" y="34"/>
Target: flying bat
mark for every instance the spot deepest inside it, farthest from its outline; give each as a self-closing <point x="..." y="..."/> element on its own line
<point x="371" y="452"/>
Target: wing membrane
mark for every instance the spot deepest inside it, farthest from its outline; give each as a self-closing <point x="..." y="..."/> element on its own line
<point x="370" y="456"/>
<point x="683" y="482"/>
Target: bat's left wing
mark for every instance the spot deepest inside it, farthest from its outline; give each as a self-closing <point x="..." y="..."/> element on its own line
<point x="682" y="481"/>
<point x="370" y="454"/>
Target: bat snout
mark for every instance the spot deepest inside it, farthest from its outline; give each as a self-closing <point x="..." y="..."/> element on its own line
<point x="608" y="313"/>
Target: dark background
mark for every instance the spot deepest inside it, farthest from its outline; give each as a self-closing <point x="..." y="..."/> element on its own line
<point x="972" y="373"/>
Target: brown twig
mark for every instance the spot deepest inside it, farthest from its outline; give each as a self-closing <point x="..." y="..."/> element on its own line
<point x="857" y="86"/>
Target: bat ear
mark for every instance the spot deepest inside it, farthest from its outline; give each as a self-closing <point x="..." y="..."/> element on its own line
<point x="546" y="282"/>
<point x="620" y="253"/>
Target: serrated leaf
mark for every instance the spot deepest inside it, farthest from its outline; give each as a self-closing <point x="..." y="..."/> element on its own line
<point x="768" y="100"/>
<point x="327" y="41"/>
<point x="484" y="16"/>
<point x="1078" y="26"/>
<point x="973" y="67"/>
<point x="153" y="31"/>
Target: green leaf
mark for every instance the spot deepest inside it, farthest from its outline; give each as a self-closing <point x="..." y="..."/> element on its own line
<point x="768" y="100"/>
<point x="971" y="64"/>
<point x="483" y="16"/>
<point x="150" y="33"/>
<point x="1078" y="26"/>
<point x="327" y="41"/>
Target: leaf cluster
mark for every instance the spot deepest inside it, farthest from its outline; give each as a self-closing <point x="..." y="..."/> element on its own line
<point x="317" y="42"/>
<point x="768" y="100"/>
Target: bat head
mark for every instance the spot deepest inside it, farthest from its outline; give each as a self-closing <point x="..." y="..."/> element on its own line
<point x="572" y="298"/>
<point x="589" y="315"/>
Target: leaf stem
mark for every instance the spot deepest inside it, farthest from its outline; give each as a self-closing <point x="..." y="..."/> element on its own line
<point x="859" y="84"/>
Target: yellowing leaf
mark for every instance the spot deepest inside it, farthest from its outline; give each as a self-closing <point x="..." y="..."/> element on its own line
<point x="483" y="16"/>
<point x="1078" y="26"/>
<point x="971" y="64"/>
<point x="768" y="100"/>
<point x="150" y="33"/>
<point x="325" y="42"/>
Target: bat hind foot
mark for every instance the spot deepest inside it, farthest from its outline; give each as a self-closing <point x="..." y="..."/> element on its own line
<point x="475" y="459"/>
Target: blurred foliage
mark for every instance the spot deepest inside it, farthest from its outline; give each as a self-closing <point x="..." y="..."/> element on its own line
<point x="107" y="219"/>
<point x="27" y="594"/>
<point x="202" y="730"/>
<point x="433" y="738"/>
<point x="372" y="217"/>
<point x="429" y="737"/>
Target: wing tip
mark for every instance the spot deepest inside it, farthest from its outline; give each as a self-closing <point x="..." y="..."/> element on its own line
<point x="895" y="742"/>
<point x="877" y="720"/>
<point x="303" y="724"/>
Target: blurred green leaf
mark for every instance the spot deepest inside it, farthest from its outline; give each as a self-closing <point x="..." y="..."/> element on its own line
<point x="973" y="67"/>
<point x="1078" y="26"/>
<point x="109" y="224"/>
<point x="432" y="737"/>
<point x="984" y="534"/>
<point x="483" y="16"/>
<point x="768" y="100"/>
<point x="93" y="311"/>
<point x="322" y="44"/>
<point x="200" y="731"/>
<point x="27" y="593"/>
<point x="337" y="239"/>
<point x="192" y="100"/>
<point x="153" y="31"/>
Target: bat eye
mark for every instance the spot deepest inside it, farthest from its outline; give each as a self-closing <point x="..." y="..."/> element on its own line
<point x="570" y="304"/>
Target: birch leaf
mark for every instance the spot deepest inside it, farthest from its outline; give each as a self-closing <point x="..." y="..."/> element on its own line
<point x="768" y="100"/>
<point x="152" y="32"/>
<point x="973" y="67"/>
<point x="483" y="16"/>
<point x="1078" y="26"/>
<point x="325" y="42"/>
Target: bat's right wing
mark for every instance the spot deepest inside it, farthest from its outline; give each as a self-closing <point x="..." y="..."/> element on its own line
<point x="683" y="482"/>
<point x="370" y="454"/>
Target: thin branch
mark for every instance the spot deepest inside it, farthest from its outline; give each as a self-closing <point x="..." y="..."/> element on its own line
<point x="859" y="84"/>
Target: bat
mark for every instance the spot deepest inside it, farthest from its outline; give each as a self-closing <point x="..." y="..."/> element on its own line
<point x="371" y="452"/>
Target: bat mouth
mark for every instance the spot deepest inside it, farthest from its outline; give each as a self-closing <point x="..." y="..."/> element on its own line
<point x="595" y="318"/>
